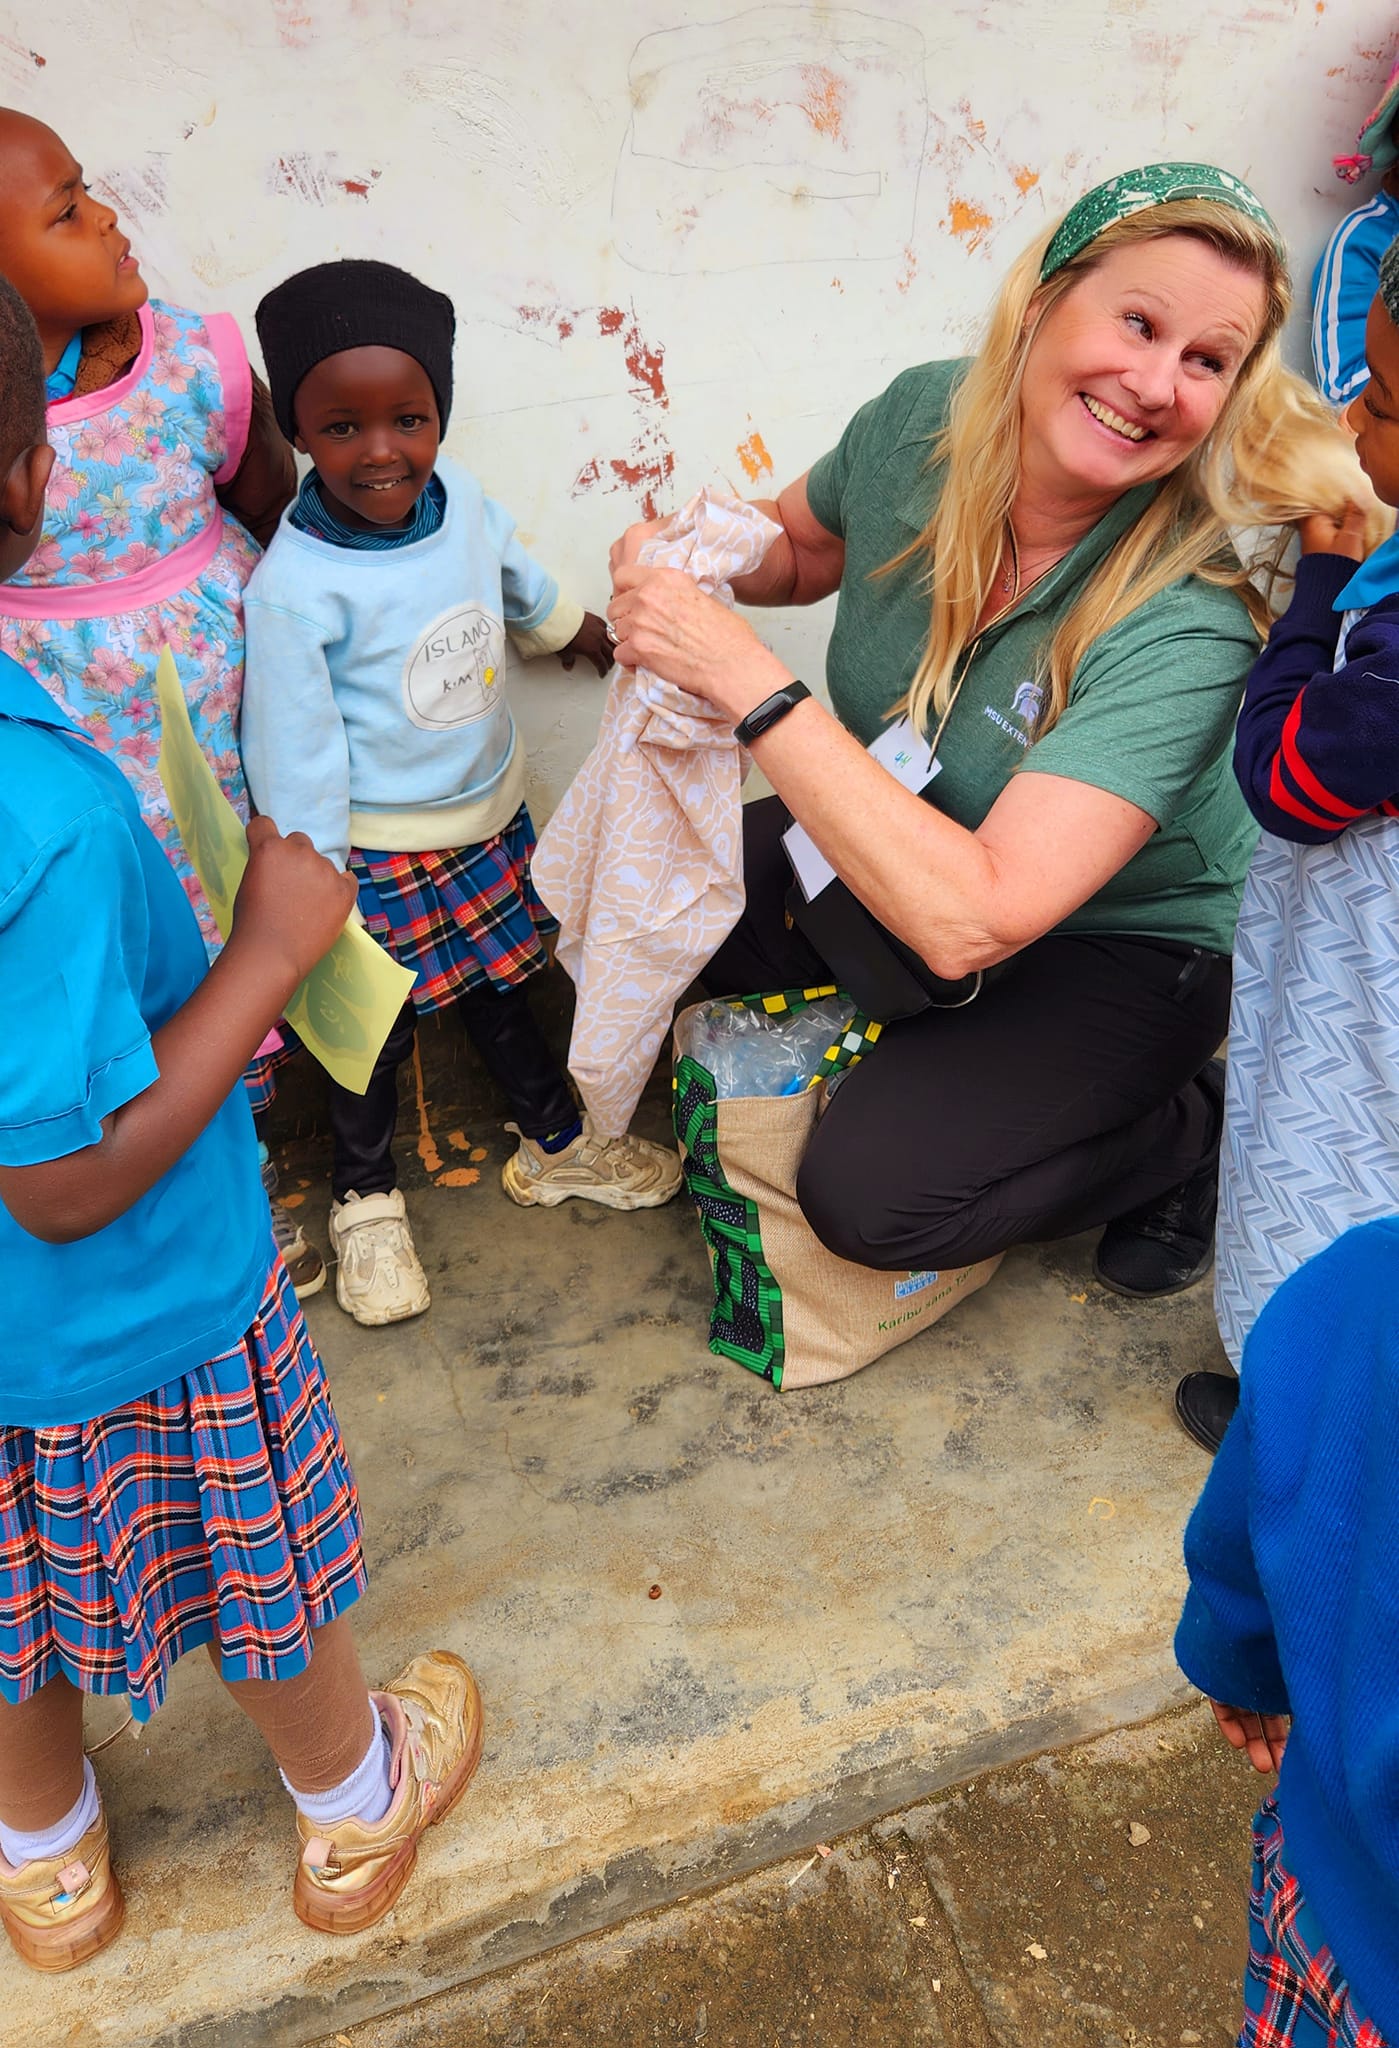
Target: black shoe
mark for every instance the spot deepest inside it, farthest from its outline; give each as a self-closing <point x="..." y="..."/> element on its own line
<point x="1167" y="1245"/>
<point x="1205" y="1404"/>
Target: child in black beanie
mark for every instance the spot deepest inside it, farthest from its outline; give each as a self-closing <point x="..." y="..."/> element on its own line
<point x="375" y="721"/>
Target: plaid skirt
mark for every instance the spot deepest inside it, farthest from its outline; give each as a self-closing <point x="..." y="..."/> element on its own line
<point x="260" y="1074"/>
<point x="460" y="918"/>
<point x="1294" y="1993"/>
<point x="221" y="1508"/>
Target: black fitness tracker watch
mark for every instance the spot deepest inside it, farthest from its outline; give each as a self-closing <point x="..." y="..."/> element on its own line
<point x="763" y="717"/>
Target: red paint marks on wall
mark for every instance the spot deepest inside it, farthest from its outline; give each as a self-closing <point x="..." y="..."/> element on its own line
<point x="646" y="364"/>
<point x="647" y="465"/>
<point x="23" y="52"/>
<point x="910" y="270"/>
<point x="295" y="27"/>
<point x="317" y="180"/>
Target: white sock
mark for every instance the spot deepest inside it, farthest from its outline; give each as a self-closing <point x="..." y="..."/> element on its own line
<point x="366" y="1795"/>
<point x="65" y="1834"/>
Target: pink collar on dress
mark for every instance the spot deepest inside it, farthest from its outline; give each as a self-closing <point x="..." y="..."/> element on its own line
<point x="66" y="412"/>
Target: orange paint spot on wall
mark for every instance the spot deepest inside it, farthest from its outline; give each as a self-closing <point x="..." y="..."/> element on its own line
<point x="823" y="100"/>
<point x="837" y="286"/>
<point x="969" y="220"/>
<point x="1026" y="179"/>
<point x="754" y="456"/>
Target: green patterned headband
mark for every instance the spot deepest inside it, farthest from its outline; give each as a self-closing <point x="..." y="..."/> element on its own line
<point x="1154" y="185"/>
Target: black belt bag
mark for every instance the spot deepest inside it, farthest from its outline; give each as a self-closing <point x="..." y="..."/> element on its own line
<point x="884" y="977"/>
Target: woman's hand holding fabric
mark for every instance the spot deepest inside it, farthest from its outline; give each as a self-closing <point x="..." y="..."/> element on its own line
<point x="665" y="622"/>
<point x="626" y="549"/>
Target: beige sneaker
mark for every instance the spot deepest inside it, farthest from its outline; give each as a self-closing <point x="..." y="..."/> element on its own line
<point x="60" y="1910"/>
<point x="379" y="1278"/>
<point x="347" y="1880"/>
<point x="621" y="1173"/>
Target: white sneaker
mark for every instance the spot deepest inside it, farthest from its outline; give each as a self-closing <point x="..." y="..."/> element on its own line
<point x="621" y="1173"/>
<point x="379" y="1278"/>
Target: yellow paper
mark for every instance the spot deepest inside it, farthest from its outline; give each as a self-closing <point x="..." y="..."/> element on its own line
<point x="343" y="1011"/>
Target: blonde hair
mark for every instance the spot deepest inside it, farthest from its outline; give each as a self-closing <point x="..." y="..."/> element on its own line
<point x="1275" y="453"/>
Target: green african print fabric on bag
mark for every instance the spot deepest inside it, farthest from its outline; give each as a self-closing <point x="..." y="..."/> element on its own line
<point x="784" y="1306"/>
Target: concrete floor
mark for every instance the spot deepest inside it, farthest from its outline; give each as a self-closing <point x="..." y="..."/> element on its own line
<point x="712" y="1624"/>
<point x="1019" y="1909"/>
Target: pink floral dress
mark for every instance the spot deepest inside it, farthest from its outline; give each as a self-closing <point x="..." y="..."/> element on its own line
<point x="137" y="554"/>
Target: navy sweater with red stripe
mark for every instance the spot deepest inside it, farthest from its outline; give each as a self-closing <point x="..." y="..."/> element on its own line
<point x="1318" y="747"/>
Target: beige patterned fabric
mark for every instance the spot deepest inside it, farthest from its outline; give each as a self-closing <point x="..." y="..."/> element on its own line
<point x="642" y="863"/>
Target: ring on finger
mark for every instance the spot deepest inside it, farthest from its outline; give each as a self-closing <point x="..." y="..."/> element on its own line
<point x="612" y="632"/>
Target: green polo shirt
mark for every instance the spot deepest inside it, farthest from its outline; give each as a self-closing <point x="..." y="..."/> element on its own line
<point x="1151" y="708"/>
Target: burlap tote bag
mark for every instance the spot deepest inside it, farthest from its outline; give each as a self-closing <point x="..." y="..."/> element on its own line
<point x="784" y="1306"/>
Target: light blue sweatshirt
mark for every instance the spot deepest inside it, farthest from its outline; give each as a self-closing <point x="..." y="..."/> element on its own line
<point x="374" y="711"/>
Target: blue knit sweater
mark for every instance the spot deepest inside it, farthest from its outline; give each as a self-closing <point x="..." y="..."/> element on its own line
<point x="1293" y="1554"/>
<point x="1318" y="746"/>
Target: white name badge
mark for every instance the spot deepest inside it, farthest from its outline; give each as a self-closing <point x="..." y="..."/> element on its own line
<point x="907" y="755"/>
<point x="909" y="759"/>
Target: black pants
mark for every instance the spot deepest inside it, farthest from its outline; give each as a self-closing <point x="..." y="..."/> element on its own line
<point x="502" y="1027"/>
<point x="1064" y="1096"/>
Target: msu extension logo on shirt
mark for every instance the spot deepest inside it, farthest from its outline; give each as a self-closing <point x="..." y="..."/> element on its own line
<point x="1027" y="704"/>
<point x="455" y="672"/>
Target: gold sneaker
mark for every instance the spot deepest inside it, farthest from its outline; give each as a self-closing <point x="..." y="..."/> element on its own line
<point x="348" y="1879"/>
<point x="59" y="1910"/>
<point x="620" y="1173"/>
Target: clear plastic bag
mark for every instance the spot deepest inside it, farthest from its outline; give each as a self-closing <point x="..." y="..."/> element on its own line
<point x="752" y="1052"/>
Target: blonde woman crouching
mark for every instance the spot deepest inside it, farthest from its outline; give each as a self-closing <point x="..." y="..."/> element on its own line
<point x="1062" y="501"/>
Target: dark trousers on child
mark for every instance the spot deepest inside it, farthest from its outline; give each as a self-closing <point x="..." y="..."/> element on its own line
<point x="502" y="1027"/>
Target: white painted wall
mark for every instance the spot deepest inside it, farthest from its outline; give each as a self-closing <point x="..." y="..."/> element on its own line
<point x="684" y="245"/>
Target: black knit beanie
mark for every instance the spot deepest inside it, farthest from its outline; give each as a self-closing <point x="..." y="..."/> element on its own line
<point x="335" y="306"/>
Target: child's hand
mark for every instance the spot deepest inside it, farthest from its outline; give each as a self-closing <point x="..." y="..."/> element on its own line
<point x="291" y="900"/>
<point x="593" y="642"/>
<point x="1263" y="1736"/>
<point x="1324" y="533"/>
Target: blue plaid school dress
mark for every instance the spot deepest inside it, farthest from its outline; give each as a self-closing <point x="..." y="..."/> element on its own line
<point x="1294" y="1993"/>
<point x="461" y="918"/>
<point x="220" y="1508"/>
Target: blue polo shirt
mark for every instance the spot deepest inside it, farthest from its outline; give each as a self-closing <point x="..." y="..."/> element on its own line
<point x="98" y="948"/>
